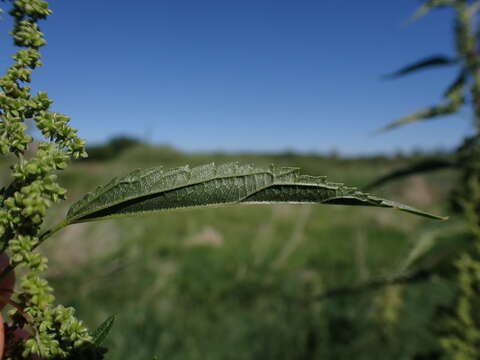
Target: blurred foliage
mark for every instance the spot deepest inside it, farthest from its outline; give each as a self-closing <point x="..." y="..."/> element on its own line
<point x="113" y="148"/>
<point x="256" y="282"/>
<point x="460" y="336"/>
<point x="287" y="282"/>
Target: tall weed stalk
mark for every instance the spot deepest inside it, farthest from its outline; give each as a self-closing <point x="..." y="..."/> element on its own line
<point x="463" y="326"/>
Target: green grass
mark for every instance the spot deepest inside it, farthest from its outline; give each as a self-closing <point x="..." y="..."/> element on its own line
<point x="245" y="282"/>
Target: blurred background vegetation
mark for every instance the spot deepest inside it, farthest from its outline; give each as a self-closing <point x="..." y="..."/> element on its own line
<point x="290" y="282"/>
<point x="262" y="282"/>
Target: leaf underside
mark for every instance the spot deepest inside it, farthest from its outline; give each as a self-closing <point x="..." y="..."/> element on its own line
<point x="156" y="189"/>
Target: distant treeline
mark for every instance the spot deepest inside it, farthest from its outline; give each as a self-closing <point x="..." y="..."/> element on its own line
<point x="112" y="148"/>
<point x="119" y="144"/>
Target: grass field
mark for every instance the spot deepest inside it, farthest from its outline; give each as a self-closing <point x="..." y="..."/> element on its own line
<point x="248" y="282"/>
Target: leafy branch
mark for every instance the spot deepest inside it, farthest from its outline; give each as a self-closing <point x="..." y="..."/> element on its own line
<point x="463" y="337"/>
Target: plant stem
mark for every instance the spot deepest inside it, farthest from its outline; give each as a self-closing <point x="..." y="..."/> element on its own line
<point x="42" y="238"/>
<point x="50" y="232"/>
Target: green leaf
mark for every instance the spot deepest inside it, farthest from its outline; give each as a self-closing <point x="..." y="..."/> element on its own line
<point x="420" y="167"/>
<point x="455" y="91"/>
<point x="429" y="6"/>
<point x="156" y="189"/>
<point x="426" y="114"/>
<point x="433" y="245"/>
<point x="432" y="61"/>
<point x="102" y="331"/>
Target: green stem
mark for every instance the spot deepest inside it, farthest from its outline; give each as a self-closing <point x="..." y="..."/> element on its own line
<point x="50" y="232"/>
<point x="467" y="44"/>
<point x="42" y="238"/>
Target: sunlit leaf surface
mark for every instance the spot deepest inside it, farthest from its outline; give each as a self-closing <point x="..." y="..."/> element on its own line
<point x="156" y="189"/>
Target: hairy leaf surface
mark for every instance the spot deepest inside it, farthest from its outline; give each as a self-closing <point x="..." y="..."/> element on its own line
<point x="156" y="189"/>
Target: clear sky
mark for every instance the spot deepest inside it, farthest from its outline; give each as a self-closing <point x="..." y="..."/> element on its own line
<point x="249" y="75"/>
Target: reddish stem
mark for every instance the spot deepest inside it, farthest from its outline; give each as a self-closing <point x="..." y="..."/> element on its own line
<point x="2" y="337"/>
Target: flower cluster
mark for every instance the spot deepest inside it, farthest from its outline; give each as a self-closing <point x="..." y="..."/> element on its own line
<point x="54" y="331"/>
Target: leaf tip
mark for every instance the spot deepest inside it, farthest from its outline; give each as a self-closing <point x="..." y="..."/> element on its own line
<point x="103" y="330"/>
<point x="383" y="129"/>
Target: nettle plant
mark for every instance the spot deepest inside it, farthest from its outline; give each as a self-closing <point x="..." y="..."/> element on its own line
<point x="37" y="328"/>
<point x="463" y="327"/>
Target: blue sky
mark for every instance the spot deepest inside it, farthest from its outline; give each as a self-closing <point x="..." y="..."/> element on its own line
<point x="250" y="75"/>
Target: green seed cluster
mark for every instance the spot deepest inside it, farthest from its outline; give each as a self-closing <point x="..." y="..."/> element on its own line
<point x="56" y="333"/>
<point x="61" y="334"/>
<point x="464" y="334"/>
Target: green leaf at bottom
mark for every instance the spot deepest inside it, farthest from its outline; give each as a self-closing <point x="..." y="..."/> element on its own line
<point x="102" y="331"/>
